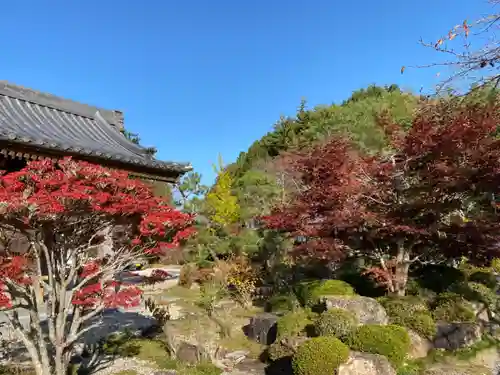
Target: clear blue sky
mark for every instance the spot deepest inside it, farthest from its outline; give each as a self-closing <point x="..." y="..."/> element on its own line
<point x="199" y="77"/>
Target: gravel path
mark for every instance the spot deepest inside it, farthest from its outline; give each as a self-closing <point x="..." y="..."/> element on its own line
<point x="122" y="364"/>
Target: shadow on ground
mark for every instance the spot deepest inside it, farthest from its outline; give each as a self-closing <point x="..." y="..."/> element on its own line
<point x="89" y="349"/>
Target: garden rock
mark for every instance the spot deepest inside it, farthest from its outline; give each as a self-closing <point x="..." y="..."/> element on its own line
<point x="367" y="310"/>
<point x="419" y="347"/>
<point x="189" y="353"/>
<point x="481" y="312"/>
<point x="366" y="364"/>
<point x="452" y="336"/>
<point x="262" y="328"/>
<point x="247" y="367"/>
<point x="454" y="369"/>
<point x="489" y="358"/>
<point x="195" y="330"/>
<point x="236" y="356"/>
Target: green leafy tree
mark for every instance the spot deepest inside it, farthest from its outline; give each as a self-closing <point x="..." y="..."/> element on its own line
<point x="190" y="193"/>
<point x="257" y="192"/>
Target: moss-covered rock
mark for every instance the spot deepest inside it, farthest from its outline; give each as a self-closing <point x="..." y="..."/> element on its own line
<point x="391" y="341"/>
<point x="335" y="322"/>
<point x="295" y="323"/>
<point x="452" y="307"/>
<point x="320" y="355"/>
<point x="410" y="312"/>
<point x="311" y="292"/>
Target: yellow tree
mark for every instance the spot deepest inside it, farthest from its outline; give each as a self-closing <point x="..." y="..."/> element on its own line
<point x="222" y="206"/>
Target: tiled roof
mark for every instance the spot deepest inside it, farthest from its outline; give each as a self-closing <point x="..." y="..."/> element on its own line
<point x="44" y="121"/>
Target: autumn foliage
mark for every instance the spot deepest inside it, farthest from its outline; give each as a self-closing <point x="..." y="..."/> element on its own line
<point x="55" y="216"/>
<point x="431" y="196"/>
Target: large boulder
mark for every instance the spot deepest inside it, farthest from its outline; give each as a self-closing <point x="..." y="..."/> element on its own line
<point x="366" y="364"/>
<point x="367" y="310"/>
<point x="452" y="336"/>
<point x="419" y="346"/>
<point x="194" y="337"/>
<point x="262" y="328"/>
<point x="189" y="353"/>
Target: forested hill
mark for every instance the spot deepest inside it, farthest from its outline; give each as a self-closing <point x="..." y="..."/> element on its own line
<point x="355" y="117"/>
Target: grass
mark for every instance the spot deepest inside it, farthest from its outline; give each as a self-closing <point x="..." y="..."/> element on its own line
<point x="181" y="293"/>
<point x="240" y="342"/>
<point x="156" y="353"/>
<point x="126" y="372"/>
<point x="153" y="351"/>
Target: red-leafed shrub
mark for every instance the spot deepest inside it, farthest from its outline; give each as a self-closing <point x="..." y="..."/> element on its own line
<point x="64" y="213"/>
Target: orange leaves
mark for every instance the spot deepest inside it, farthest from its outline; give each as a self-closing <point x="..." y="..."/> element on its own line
<point x="465" y="28"/>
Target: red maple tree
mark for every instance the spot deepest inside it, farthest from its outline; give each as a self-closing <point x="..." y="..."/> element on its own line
<point x="429" y="197"/>
<point x="56" y="218"/>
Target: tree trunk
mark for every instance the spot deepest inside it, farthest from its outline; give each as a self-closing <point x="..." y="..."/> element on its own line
<point x="401" y="271"/>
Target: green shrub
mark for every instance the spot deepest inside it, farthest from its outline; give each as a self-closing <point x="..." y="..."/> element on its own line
<point x="294" y="323"/>
<point x="476" y="292"/>
<point x="420" y="322"/>
<point x="320" y="355"/>
<point x="410" y="312"/>
<point x="335" y="322"/>
<point x="310" y="293"/>
<point x="403" y="305"/>
<point x="278" y="351"/>
<point x="414" y="289"/>
<point x="439" y="278"/>
<point x="282" y="303"/>
<point x="391" y="341"/>
<point x="120" y="344"/>
<point x="451" y="307"/>
<point x="495" y="265"/>
<point x="188" y="275"/>
<point x="484" y="277"/>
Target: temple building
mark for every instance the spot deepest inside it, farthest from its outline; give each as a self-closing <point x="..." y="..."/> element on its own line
<point x="36" y="125"/>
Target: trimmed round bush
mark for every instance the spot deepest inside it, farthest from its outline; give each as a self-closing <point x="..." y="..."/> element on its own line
<point x="403" y="305"/>
<point x="335" y="322"/>
<point x="311" y="292"/>
<point x="294" y="323"/>
<point x="391" y="341"/>
<point x="421" y="322"/>
<point x="410" y="312"/>
<point x="451" y="307"/>
<point x="320" y="355"/>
